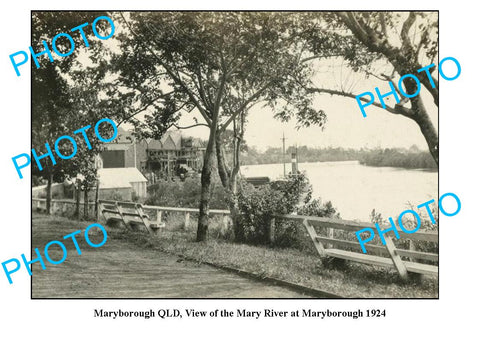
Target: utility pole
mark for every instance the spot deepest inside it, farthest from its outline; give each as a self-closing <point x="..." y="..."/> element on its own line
<point x="296" y="152"/>
<point x="135" y="151"/>
<point x="283" y="156"/>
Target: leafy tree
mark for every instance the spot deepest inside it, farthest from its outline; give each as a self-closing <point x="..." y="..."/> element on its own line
<point x="49" y="105"/>
<point x="386" y="46"/>
<point x="55" y="101"/>
<point x="218" y="64"/>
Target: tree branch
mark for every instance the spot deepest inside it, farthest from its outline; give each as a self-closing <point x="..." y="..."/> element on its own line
<point x="201" y="89"/>
<point x="144" y="107"/>
<point x="398" y="109"/>
<point x="171" y="73"/>
<point x="243" y="106"/>
<point x="403" y="62"/>
<point x="406" y="43"/>
<point x="190" y="126"/>
<point x="382" y="23"/>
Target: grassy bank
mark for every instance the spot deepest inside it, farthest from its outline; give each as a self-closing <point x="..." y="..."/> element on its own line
<point x="286" y="264"/>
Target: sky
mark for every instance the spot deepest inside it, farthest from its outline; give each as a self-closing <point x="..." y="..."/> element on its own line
<point x="345" y="127"/>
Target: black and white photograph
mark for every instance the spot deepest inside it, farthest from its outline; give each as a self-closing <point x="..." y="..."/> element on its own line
<point x="239" y="170"/>
<point x="236" y="154"/>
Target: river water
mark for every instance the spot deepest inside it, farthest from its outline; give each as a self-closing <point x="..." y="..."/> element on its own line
<point x="356" y="189"/>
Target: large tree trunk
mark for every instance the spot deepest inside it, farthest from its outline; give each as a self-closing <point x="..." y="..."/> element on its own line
<point x="405" y="61"/>
<point x="428" y="130"/>
<point x="49" y="193"/>
<point x="206" y="185"/>
<point x="229" y="179"/>
<point x="238" y="231"/>
<point x="420" y="116"/>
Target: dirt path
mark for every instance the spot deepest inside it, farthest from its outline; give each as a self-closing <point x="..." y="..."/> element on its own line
<point x="119" y="269"/>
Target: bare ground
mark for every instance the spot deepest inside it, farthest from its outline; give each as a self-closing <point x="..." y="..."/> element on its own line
<point x="120" y="269"/>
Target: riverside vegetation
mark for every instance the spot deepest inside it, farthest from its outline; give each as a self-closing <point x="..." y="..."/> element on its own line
<point x="411" y="158"/>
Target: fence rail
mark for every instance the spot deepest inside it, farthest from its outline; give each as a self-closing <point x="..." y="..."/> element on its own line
<point x="325" y="245"/>
<point x="390" y="255"/>
<point x="187" y="211"/>
<point x="190" y="210"/>
<point x="356" y="226"/>
<point x="329" y="223"/>
<point x="39" y="201"/>
<point x="60" y="205"/>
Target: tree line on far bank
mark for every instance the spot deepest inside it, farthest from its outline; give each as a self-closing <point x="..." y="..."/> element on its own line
<point x="411" y="158"/>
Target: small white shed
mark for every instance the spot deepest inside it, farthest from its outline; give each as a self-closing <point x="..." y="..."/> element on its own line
<point x="123" y="178"/>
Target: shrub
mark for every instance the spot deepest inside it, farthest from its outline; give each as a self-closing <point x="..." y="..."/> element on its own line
<point x="410" y="223"/>
<point x="185" y="194"/>
<point x="316" y="208"/>
<point x="115" y="196"/>
<point x="259" y="205"/>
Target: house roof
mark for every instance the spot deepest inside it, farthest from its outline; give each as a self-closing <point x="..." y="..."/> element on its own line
<point x="111" y="178"/>
<point x="174" y="137"/>
<point x="171" y="140"/>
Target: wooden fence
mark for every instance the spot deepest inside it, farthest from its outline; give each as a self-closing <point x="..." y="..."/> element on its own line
<point x="386" y="255"/>
<point x="328" y="245"/>
<point x="187" y="211"/>
<point x="61" y="206"/>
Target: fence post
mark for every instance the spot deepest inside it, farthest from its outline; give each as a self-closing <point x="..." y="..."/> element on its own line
<point x="225" y="222"/>
<point x="313" y="235"/>
<point x="329" y="235"/>
<point x="411" y="246"/>
<point x="97" y="213"/>
<point x="271" y="231"/>
<point x="187" y="220"/>
<point x="397" y="260"/>
<point x="159" y="217"/>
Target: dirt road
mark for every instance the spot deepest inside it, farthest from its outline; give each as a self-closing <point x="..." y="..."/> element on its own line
<point x="122" y="270"/>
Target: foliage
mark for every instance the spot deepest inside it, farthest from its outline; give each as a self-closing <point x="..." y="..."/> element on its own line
<point x="316" y="208"/>
<point x="411" y="158"/>
<point x="186" y="194"/>
<point x="384" y="46"/>
<point x="219" y="64"/>
<point x="259" y="205"/>
<point x="397" y="158"/>
<point x="66" y="96"/>
<point x="115" y="196"/>
<point x="409" y="222"/>
<point x="305" y="154"/>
